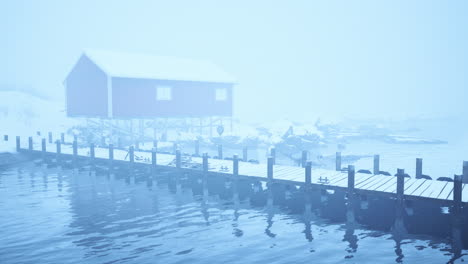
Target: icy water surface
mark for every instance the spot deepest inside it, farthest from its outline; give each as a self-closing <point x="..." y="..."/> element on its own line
<point x="58" y="216"/>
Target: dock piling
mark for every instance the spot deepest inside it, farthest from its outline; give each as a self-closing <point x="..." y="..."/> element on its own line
<point x="465" y="172"/>
<point x="235" y="166"/>
<point x="308" y="175"/>
<point x="418" y="168"/>
<point x="273" y="154"/>
<point x="304" y="158"/>
<point x="270" y="169"/>
<point x="91" y="152"/>
<point x="338" y="161"/>
<point x="50" y="138"/>
<point x="205" y="162"/>
<point x="75" y="150"/>
<point x="155" y="144"/>
<point x="351" y="179"/>
<point x="457" y="194"/>
<point x="111" y="156"/>
<point x="220" y="151"/>
<point x="376" y="164"/>
<point x="58" y="151"/>
<point x="178" y="159"/>
<point x="43" y="149"/>
<point x="62" y="138"/>
<point x="400" y="184"/>
<point x="18" y="143"/>
<point x="30" y="143"/>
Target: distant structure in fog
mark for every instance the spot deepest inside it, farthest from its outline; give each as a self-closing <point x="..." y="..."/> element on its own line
<point x="128" y="86"/>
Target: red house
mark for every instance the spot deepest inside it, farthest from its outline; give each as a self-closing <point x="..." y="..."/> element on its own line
<point x="118" y="85"/>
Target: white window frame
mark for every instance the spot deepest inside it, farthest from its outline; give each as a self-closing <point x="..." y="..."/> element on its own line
<point x="221" y="94"/>
<point x="163" y="93"/>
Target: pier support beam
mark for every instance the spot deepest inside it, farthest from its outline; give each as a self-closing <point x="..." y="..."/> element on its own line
<point x="131" y="156"/>
<point x="338" y="161"/>
<point x="178" y="159"/>
<point x="111" y="157"/>
<point x="351" y="179"/>
<point x="376" y="164"/>
<point x="400" y="185"/>
<point x="75" y="151"/>
<point x="308" y="175"/>
<point x="30" y="143"/>
<point x="91" y="153"/>
<point x="62" y="138"/>
<point x="50" y="138"/>
<point x="197" y="147"/>
<point x="153" y="161"/>
<point x="270" y="163"/>
<point x="43" y="149"/>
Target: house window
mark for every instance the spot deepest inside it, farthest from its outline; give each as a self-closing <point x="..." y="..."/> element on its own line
<point x="221" y="94"/>
<point x="163" y="93"/>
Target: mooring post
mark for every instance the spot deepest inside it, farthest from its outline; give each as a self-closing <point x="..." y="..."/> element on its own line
<point x="155" y="144"/>
<point x="465" y="172"/>
<point x="197" y="147"/>
<point x="338" y="161"/>
<point x="304" y="158"/>
<point x="175" y="147"/>
<point x="62" y="138"/>
<point x="244" y="154"/>
<point x="103" y="141"/>
<point x="376" y="164"/>
<point x="75" y="137"/>
<point x="91" y="153"/>
<point x="50" y="138"/>
<point x="270" y="170"/>
<point x="58" y="151"/>
<point x="18" y="143"/>
<point x="137" y="145"/>
<point x="400" y="184"/>
<point x="351" y="179"/>
<point x="418" y="168"/>
<point x="308" y="175"/>
<point x="220" y="151"/>
<point x="457" y="194"/>
<point x="30" y="143"/>
<point x="119" y="142"/>
<point x="273" y="154"/>
<point x="178" y="159"/>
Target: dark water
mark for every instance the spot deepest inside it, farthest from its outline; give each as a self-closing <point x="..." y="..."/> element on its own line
<point x="64" y="216"/>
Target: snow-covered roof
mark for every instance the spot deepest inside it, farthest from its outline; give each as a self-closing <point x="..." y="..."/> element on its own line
<point x="136" y="65"/>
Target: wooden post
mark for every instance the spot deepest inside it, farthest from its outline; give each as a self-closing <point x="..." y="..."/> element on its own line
<point x="119" y="142"/>
<point x="58" y="151"/>
<point x="197" y="147"/>
<point x="304" y="158"/>
<point x="270" y="169"/>
<point x="103" y="141"/>
<point x="62" y="138"/>
<point x="273" y="154"/>
<point x="338" y="161"/>
<point x="376" y="164"/>
<point x="457" y="194"/>
<point x="75" y="138"/>
<point x="155" y="144"/>
<point x="18" y="143"/>
<point x="178" y="159"/>
<point x="220" y="151"/>
<point x="30" y="143"/>
<point x="175" y="147"/>
<point x="244" y="154"/>
<point x="400" y="184"/>
<point x="418" y="168"/>
<point x="235" y="166"/>
<point x="308" y="175"/>
<point x="50" y="138"/>
<point x="91" y="152"/>
<point x="137" y="145"/>
<point x="465" y="172"/>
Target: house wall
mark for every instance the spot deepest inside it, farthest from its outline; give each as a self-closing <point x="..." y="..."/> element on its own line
<point x="86" y="90"/>
<point x="137" y="98"/>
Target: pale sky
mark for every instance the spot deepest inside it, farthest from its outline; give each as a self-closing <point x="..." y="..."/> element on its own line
<point x="292" y="59"/>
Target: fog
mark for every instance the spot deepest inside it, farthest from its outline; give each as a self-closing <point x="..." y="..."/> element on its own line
<point x="385" y="60"/>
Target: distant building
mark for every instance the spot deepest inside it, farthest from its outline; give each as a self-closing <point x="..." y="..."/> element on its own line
<point x="116" y="85"/>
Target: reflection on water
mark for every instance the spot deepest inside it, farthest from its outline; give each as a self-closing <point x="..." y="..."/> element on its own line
<point x="68" y="216"/>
